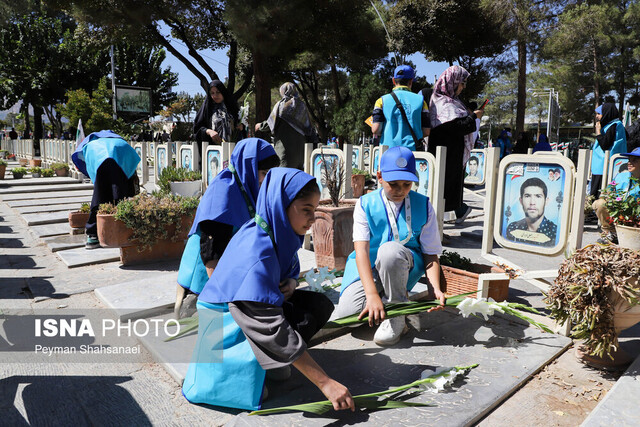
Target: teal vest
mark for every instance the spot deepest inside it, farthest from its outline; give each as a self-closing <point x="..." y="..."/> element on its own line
<point x="396" y="132"/>
<point x="619" y="146"/>
<point x="380" y="232"/>
<point x="624" y="184"/>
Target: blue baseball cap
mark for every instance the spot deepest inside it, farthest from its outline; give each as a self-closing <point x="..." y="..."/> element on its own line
<point x="599" y="109"/>
<point x="635" y="153"/>
<point x="403" y="72"/>
<point x="398" y="164"/>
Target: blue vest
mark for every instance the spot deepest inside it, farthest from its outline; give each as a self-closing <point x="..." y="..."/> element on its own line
<point x="624" y="184"/>
<point x="619" y="146"/>
<point x="396" y="132"/>
<point x="101" y="149"/>
<point x="380" y="232"/>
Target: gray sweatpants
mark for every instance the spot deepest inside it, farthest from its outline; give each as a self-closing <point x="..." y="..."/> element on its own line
<point x="390" y="274"/>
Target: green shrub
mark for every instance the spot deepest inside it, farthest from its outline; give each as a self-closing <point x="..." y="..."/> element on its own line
<point x="35" y="169"/>
<point x="57" y="166"/>
<point x="107" y="209"/>
<point x="19" y="171"/>
<point x="355" y="171"/>
<point x="455" y="260"/>
<point x="48" y="172"/>
<point x="176" y="175"/>
<point x="85" y="208"/>
<point x="149" y="216"/>
<point x="3" y="162"/>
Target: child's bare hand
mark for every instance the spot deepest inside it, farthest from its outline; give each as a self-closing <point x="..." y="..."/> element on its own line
<point x="287" y="287"/>
<point x="375" y="309"/>
<point x="439" y="296"/>
<point x="339" y="395"/>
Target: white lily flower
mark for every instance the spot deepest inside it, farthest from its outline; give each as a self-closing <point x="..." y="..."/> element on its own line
<point x="479" y="306"/>
<point x="447" y="377"/>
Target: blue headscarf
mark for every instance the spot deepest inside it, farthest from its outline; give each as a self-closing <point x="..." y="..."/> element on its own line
<point x="104" y="145"/>
<point x="251" y="268"/>
<point x="543" y="144"/>
<point x="223" y="201"/>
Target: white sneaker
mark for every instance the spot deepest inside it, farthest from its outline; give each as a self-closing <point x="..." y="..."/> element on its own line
<point x="390" y="331"/>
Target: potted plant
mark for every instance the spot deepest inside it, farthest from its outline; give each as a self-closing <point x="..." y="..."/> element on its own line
<point x="23" y="162"/>
<point x="624" y="212"/>
<point x="333" y="227"/>
<point x="61" y="169"/>
<point x="3" y="154"/>
<point x="18" y="172"/>
<point x="358" y="180"/>
<point x="35" y="171"/>
<point x="582" y="294"/>
<point x="112" y="233"/>
<point x="35" y="162"/>
<point x="79" y="218"/>
<point x="3" y="168"/>
<point x="460" y="275"/>
<point x="47" y="173"/>
<point x="180" y="181"/>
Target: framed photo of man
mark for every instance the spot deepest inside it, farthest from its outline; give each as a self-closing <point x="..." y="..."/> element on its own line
<point x="425" y="165"/>
<point x="474" y="169"/>
<point x="186" y="157"/>
<point x="374" y="161"/>
<point x="161" y="159"/>
<point x="213" y="162"/>
<point x="356" y="157"/>
<point x="617" y="165"/>
<point x="322" y="163"/>
<point x="533" y="203"/>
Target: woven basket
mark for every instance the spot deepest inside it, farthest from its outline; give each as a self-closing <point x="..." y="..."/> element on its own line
<point x="458" y="281"/>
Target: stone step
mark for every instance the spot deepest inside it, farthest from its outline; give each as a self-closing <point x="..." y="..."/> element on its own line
<point x="28" y="180"/>
<point x="45" y="197"/>
<point x="47" y="218"/>
<point x="44" y="188"/>
<point x="82" y="256"/>
<point x="71" y="206"/>
<point x="618" y="408"/>
<point x="66" y="241"/>
<point x="48" y="230"/>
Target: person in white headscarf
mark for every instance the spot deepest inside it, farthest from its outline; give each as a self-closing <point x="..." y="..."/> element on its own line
<point x="291" y="128"/>
<point x="453" y="126"/>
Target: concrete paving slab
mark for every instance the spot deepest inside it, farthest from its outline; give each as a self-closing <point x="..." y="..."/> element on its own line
<point x="51" y="200"/>
<point x="49" y="208"/>
<point x="28" y="180"/>
<point x="47" y="218"/>
<point x="141" y="298"/>
<point x="64" y="193"/>
<point x="618" y="408"/>
<point x="68" y="241"/>
<point x="48" y="230"/>
<point x="44" y="188"/>
<point x="307" y="260"/>
<point x="82" y="256"/>
<point x="507" y="354"/>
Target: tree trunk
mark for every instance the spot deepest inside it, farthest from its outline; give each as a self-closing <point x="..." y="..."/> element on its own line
<point x="336" y="84"/>
<point x="522" y="86"/>
<point x="231" y="69"/>
<point x="37" y="131"/>
<point x="621" y="82"/>
<point x="27" y="122"/>
<point x="263" y="86"/>
<point x="596" y="78"/>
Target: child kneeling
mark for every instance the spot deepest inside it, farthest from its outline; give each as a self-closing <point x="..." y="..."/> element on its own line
<point x="396" y="241"/>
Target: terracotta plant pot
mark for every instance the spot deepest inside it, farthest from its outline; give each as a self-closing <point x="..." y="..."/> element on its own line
<point x="628" y="237"/>
<point x="35" y="162"/>
<point x="78" y="219"/>
<point x="357" y="184"/>
<point x="333" y="234"/>
<point x="62" y="172"/>
<point x="455" y="281"/>
<point x="3" y="170"/>
<point x="23" y="162"/>
<point x="112" y="233"/>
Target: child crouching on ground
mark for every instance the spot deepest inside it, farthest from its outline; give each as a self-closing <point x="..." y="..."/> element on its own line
<point x="249" y="309"/>
<point x="396" y="241"/>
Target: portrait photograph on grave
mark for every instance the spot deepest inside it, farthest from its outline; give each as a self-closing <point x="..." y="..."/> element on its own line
<point x="185" y="157"/>
<point x="355" y="158"/>
<point x="376" y="161"/>
<point x="320" y="171"/>
<point x="618" y="165"/>
<point x="425" y="166"/>
<point x="214" y="164"/>
<point x="533" y="204"/>
<point x="474" y="169"/>
<point x="162" y="159"/>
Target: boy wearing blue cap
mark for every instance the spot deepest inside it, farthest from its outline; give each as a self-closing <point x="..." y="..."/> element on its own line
<point x="629" y="182"/>
<point x="396" y="240"/>
<point x="388" y="121"/>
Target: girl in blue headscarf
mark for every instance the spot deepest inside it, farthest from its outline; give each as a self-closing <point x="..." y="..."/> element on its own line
<point x="111" y="164"/>
<point x="228" y="203"/>
<point x="249" y="309"/>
